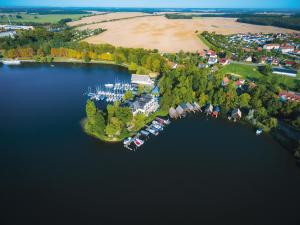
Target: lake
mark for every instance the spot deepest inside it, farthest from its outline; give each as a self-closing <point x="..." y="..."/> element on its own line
<point x="197" y="171"/>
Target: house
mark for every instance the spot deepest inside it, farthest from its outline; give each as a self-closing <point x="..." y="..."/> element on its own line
<point x="287" y="49"/>
<point x="275" y="62"/>
<point x="225" y="81"/>
<point x="224" y="61"/>
<point x="202" y="65"/>
<point x="248" y="59"/>
<point x="213" y="59"/>
<point x="289" y="63"/>
<point x="145" y="104"/>
<point x="216" y="111"/>
<point x="202" y="53"/>
<point x="297" y="51"/>
<point x="236" y="114"/>
<point x="172" y="65"/>
<point x="141" y="80"/>
<point x="173" y="113"/>
<point x="211" y="53"/>
<point x="289" y="95"/>
<point x="208" y="109"/>
<point x="264" y="59"/>
<point x="285" y="71"/>
<point x="240" y="83"/>
<point x="271" y="46"/>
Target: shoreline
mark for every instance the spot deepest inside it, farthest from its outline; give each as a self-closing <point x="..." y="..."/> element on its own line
<point x="69" y="60"/>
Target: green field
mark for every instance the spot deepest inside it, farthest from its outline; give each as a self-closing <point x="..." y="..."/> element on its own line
<point x="36" y="18"/>
<point x="251" y="72"/>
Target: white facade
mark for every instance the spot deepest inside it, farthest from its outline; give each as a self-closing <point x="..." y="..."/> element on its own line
<point x="146" y="104"/>
<point x="271" y="46"/>
<point x="141" y="80"/>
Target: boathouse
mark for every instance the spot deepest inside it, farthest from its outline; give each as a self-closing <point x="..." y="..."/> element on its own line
<point x="208" y="109"/>
<point x="190" y="107"/>
<point x="236" y="114"/>
<point x="180" y="111"/>
<point x="216" y="111"/>
<point x="197" y="106"/>
<point x="184" y="107"/>
<point x="173" y="113"/>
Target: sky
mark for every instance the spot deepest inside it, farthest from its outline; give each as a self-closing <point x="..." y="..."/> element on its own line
<point x="292" y="4"/>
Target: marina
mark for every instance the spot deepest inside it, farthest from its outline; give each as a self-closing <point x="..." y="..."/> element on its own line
<point x="110" y="92"/>
<point x="153" y="128"/>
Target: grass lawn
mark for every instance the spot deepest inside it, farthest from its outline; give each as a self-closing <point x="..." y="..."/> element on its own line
<point x="251" y="72"/>
<point x="48" y="18"/>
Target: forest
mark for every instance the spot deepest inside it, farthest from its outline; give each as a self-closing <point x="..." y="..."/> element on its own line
<point x="290" y="22"/>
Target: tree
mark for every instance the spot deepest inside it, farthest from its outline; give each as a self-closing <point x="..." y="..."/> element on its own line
<point x="244" y="100"/>
<point x="128" y="95"/>
<point x="266" y="70"/>
<point x="202" y="99"/>
<point x="114" y="127"/>
<point x="139" y="121"/>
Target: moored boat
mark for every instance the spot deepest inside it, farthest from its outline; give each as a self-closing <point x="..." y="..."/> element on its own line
<point x="138" y="142"/>
<point x="11" y="62"/>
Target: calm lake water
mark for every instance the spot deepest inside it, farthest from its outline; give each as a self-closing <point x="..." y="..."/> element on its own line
<point x="197" y="171"/>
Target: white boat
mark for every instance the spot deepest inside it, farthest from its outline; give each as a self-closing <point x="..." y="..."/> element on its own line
<point x="109" y="85"/>
<point x="11" y="62"/>
<point x="127" y="141"/>
<point x="259" y="132"/>
<point x="138" y="142"/>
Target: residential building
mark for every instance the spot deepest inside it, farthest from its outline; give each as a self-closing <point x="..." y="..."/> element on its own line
<point x="290" y="95"/>
<point x="145" y="104"/>
<point x="271" y="46"/>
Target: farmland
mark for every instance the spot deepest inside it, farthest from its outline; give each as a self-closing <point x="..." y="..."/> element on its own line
<point x="20" y="18"/>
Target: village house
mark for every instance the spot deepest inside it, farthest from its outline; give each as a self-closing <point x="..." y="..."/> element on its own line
<point x="248" y="59"/>
<point x="236" y="114"/>
<point x="141" y="80"/>
<point x="145" y="104"/>
<point x="213" y="59"/>
<point x="290" y="96"/>
<point x="271" y="46"/>
<point x="202" y="65"/>
<point x="289" y="63"/>
<point x="202" y="53"/>
<point x="224" y="61"/>
<point x="287" y="49"/>
<point x="240" y="83"/>
<point x="225" y="81"/>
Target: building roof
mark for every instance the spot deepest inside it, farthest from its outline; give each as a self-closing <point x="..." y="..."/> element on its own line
<point x="141" y="79"/>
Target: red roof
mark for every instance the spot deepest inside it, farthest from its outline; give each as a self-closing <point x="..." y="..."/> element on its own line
<point x="290" y="95"/>
<point x="223" y="60"/>
<point x="225" y="80"/>
<point x="239" y="82"/>
<point x="289" y="62"/>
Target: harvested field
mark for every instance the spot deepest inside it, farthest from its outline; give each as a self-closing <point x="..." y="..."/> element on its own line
<point x="167" y="35"/>
<point x="106" y="17"/>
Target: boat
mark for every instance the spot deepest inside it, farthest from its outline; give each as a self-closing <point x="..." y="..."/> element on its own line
<point x="127" y="141"/>
<point x="152" y="131"/>
<point x="145" y="133"/>
<point x="138" y="142"/>
<point x="108" y="85"/>
<point x="259" y="132"/>
<point x="166" y="122"/>
<point x="11" y="62"/>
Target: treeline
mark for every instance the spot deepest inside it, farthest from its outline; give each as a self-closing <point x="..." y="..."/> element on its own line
<point x="290" y="22"/>
<point x="44" y="11"/>
<point x="43" y="43"/>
